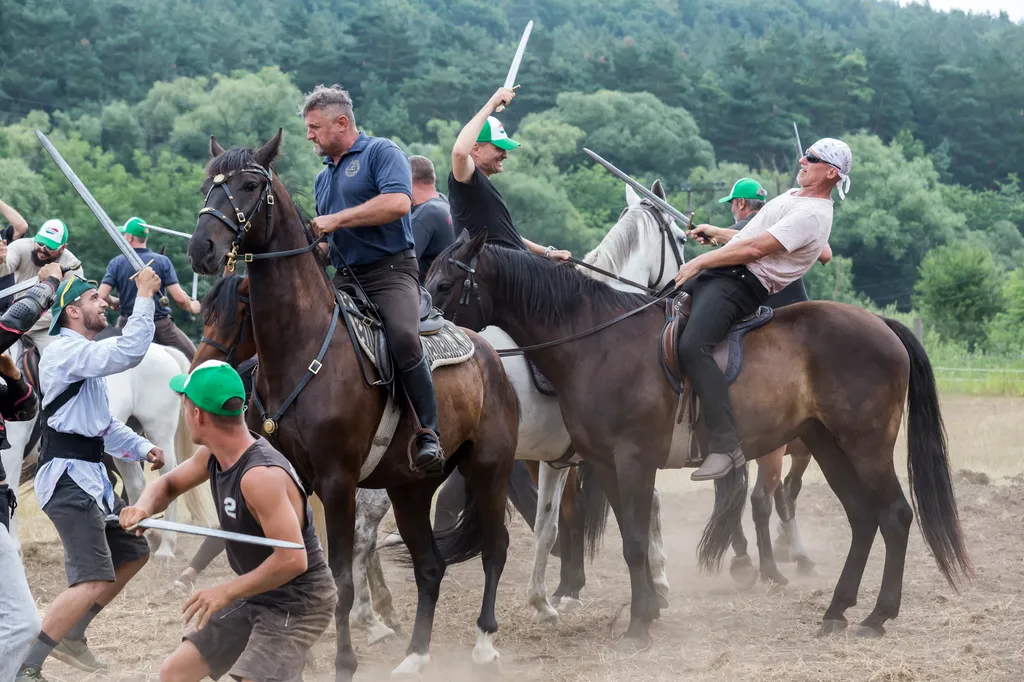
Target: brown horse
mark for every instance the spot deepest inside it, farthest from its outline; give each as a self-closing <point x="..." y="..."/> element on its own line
<point x="833" y="375"/>
<point x="326" y="428"/>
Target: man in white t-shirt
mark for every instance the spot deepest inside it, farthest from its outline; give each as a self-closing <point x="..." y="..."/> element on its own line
<point x="779" y="245"/>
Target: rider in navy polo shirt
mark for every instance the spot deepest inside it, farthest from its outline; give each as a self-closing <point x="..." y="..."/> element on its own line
<point x="363" y="198"/>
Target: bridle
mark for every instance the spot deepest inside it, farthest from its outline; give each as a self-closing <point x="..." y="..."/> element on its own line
<point x="241" y="224"/>
<point x="665" y="227"/>
<point x="229" y="351"/>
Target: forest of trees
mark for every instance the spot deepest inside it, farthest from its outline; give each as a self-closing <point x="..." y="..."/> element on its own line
<point x="695" y="92"/>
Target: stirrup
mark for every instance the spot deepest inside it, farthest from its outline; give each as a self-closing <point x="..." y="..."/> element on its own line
<point x="435" y="465"/>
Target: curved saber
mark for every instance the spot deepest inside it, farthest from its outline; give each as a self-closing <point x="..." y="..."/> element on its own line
<point x="115" y="234"/>
<point x="159" y="524"/>
<point x="646" y="193"/>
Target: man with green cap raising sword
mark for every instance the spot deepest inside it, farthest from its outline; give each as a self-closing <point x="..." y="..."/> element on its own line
<point x="71" y="483"/>
<point x="24" y="257"/>
<point x="475" y="202"/>
<point x="119" y="276"/>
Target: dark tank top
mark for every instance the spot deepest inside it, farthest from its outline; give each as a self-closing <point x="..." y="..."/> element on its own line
<point x="235" y="516"/>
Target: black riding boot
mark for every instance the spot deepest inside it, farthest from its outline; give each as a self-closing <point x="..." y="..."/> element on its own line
<point x="419" y="386"/>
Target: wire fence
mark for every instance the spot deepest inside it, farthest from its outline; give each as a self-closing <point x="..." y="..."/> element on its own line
<point x="981" y="380"/>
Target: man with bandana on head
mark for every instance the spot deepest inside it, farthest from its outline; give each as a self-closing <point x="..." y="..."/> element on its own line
<point x="777" y="247"/>
<point x="24" y="257"/>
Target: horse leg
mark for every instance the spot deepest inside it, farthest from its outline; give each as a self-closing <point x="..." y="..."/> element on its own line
<point x="631" y="491"/>
<point x="894" y="520"/>
<point x="411" y="504"/>
<point x="338" y="495"/>
<point x="368" y="516"/>
<point x="550" y="487"/>
<point x="572" y="545"/>
<point x="382" y="601"/>
<point x="741" y="568"/>
<point x="656" y="553"/>
<point x="769" y="471"/>
<point x="841" y="476"/>
<point x="789" y="540"/>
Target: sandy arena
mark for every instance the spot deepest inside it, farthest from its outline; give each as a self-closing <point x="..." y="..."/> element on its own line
<point x="711" y="631"/>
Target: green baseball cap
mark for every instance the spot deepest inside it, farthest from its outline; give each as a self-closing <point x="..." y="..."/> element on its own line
<point x="136" y="227"/>
<point x="494" y="133"/>
<point x="53" y="234"/>
<point x="68" y="291"/>
<point x="210" y="385"/>
<point x="746" y="188"/>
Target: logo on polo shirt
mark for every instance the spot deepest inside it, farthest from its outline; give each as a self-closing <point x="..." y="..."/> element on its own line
<point x="352" y="168"/>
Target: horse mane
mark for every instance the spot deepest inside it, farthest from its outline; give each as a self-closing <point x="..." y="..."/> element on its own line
<point x="220" y="306"/>
<point x="620" y="243"/>
<point x="232" y="160"/>
<point x="548" y="291"/>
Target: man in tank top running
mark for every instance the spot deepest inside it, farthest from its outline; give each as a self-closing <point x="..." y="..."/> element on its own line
<point x="260" y="625"/>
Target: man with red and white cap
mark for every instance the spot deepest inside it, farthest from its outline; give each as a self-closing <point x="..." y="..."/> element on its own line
<point x="777" y="247"/>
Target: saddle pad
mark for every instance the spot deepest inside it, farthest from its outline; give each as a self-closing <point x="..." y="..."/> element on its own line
<point x="448" y="346"/>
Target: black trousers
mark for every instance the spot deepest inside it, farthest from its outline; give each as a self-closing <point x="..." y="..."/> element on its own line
<point x="393" y="285"/>
<point x="795" y="292"/>
<point x="721" y="297"/>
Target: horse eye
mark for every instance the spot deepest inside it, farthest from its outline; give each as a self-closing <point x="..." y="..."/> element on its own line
<point x="444" y="287"/>
<point x="250" y="186"/>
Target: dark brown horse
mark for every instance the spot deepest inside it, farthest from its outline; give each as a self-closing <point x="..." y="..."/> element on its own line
<point x="327" y="429"/>
<point x="836" y="376"/>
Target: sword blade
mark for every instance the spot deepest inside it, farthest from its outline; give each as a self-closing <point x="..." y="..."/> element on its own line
<point x="513" y="70"/>
<point x="94" y="206"/>
<point x="19" y="287"/>
<point x="654" y="198"/>
<point x="799" y="147"/>
<point x="165" y="230"/>
<point x="159" y="524"/>
<point x="195" y="285"/>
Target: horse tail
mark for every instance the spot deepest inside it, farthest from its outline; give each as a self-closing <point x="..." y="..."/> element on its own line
<point x="727" y="514"/>
<point x="465" y="539"/>
<point x="198" y="500"/>
<point x="593" y="505"/>
<point x="931" y="489"/>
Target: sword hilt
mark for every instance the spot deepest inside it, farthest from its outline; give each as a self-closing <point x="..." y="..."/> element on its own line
<point x="501" y="107"/>
<point x="151" y="261"/>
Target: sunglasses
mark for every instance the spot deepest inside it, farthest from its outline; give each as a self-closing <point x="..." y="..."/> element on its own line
<point x="811" y="158"/>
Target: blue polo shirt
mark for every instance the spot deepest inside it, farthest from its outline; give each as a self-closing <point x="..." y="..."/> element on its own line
<point x="371" y="167"/>
<point x="119" y="273"/>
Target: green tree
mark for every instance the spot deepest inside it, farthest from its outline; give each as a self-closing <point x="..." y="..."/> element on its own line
<point x="1006" y="332"/>
<point x="959" y="292"/>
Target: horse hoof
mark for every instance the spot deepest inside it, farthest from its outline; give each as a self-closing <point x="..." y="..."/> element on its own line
<point x="568" y="605"/>
<point x="412" y="666"/>
<point x="165" y="553"/>
<point x="546" y="616"/>
<point x="662" y="599"/>
<point x="379" y="633"/>
<point x="742" y="571"/>
<point x="831" y="627"/>
<point x="773" y="577"/>
<point x="806" y="567"/>
<point x="633" y="645"/>
<point x="870" y="631"/>
<point x="484" y="653"/>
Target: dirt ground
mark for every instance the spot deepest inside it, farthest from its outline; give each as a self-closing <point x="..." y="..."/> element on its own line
<point x="711" y="631"/>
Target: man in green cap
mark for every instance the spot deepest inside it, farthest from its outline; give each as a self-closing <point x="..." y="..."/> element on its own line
<point x="24" y="257"/>
<point x="71" y="483"/>
<point x="475" y="202"/>
<point x="261" y="625"/>
<point x="119" y="276"/>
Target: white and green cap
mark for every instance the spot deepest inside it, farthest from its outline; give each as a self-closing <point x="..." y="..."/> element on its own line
<point x="53" y="234"/>
<point x="210" y="386"/>
<point x="494" y="133"/>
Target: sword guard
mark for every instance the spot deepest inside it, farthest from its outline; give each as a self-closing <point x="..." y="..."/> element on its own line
<point x="151" y="260"/>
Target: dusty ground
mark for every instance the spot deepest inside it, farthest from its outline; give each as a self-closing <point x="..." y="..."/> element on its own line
<point x="711" y="631"/>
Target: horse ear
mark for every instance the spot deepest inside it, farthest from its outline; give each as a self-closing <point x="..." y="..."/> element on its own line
<point x="215" y="148"/>
<point x="476" y="244"/>
<point x="268" y="152"/>
<point x="632" y="198"/>
<point x="658" y="189"/>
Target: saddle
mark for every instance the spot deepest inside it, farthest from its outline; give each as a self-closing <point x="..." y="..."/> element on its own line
<point x="685" y="450"/>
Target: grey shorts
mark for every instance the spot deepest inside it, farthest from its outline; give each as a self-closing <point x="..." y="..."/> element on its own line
<point x="92" y="548"/>
<point x="266" y="643"/>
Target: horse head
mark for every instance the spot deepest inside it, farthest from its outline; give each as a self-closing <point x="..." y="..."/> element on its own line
<point x="227" y="323"/>
<point x="237" y="216"/>
<point x="452" y="283"/>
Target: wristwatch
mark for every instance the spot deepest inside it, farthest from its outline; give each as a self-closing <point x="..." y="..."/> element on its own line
<point x="547" y="251"/>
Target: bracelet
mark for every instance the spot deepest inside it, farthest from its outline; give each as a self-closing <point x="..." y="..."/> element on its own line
<point x="547" y="251"/>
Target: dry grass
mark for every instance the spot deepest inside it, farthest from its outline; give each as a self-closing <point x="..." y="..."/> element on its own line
<point x="711" y="631"/>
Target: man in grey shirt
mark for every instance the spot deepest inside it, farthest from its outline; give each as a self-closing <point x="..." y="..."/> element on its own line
<point x="431" y="218"/>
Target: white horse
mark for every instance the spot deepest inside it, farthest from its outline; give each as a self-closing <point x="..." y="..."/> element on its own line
<point x="642" y="248"/>
<point x="143" y="393"/>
